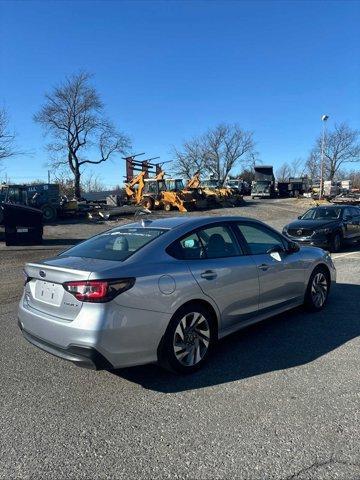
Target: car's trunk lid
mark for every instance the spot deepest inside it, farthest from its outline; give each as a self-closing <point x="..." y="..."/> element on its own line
<point x="44" y="289"/>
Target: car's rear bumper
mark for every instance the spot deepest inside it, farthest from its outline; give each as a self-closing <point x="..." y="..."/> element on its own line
<point x="112" y="336"/>
<point x="87" y="357"/>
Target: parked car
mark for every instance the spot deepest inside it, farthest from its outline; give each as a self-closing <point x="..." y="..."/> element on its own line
<point x="166" y="290"/>
<point x="328" y="227"/>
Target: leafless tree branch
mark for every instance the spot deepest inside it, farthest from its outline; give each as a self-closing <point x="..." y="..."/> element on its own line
<point x="216" y="152"/>
<point x="73" y="115"/>
<point x="342" y="146"/>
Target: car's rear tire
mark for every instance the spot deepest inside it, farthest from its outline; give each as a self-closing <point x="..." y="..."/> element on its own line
<point x="335" y="242"/>
<point x="317" y="290"/>
<point x="188" y="339"/>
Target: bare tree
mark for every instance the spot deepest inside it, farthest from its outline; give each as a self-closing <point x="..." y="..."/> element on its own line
<point x="252" y="160"/>
<point x="295" y="168"/>
<point x="189" y="159"/>
<point x="216" y="152"/>
<point x="93" y="183"/>
<point x="224" y="147"/>
<point x="342" y="146"/>
<point x="312" y="165"/>
<point x="284" y="172"/>
<point x="247" y="174"/>
<point x="354" y="176"/>
<point x="7" y="137"/>
<point x="73" y="114"/>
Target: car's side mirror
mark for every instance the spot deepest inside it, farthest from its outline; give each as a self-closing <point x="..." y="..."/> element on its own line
<point x="299" y="217"/>
<point x="276" y="249"/>
<point x="293" y="247"/>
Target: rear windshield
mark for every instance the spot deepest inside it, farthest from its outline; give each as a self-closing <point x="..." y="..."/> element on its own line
<point x="117" y="244"/>
<point x="322" y="213"/>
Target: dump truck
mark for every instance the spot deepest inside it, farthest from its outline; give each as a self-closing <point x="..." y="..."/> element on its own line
<point x="44" y="196"/>
<point x="283" y="189"/>
<point x="298" y="186"/>
<point x="264" y="184"/>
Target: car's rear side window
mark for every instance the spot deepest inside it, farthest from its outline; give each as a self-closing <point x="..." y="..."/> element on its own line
<point x="212" y="242"/>
<point x="117" y="244"/>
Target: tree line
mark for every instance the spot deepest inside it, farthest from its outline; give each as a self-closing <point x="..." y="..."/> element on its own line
<point x="73" y="117"/>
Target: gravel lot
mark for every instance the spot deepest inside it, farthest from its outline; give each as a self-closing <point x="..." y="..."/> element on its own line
<point x="278" y="400"/>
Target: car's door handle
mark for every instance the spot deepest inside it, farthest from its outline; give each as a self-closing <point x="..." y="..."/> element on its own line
<point x="208" y="274"/>
<point x="264" y="267"/>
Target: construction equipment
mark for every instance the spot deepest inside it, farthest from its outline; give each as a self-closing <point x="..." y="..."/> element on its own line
<point x="264" y="184"/>
<point x="239" y="185"/>
<point x="201" y="199"/>
<point x="351" y="198"/>
<point x="283" y="189"/>
<point x="298" y="186"/>
<point x="153" y="193"/>
<point x="221" y="196"/>
<point x="44" y="196"/>
<point x="133" y="193"/>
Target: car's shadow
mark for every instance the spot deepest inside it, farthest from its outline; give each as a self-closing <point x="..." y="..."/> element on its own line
<point x="287" y="341"/>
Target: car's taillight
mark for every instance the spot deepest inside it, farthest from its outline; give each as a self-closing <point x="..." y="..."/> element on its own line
<point x="98" y="290"/>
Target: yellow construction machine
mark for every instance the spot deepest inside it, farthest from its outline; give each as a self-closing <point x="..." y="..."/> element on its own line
<point x="203" y="197"/>
<point x="153" y="193"/>
<point x="223" y="196"/>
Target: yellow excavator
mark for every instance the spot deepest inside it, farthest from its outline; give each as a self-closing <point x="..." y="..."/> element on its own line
<point x="209" y="192"/>
<point x="153" y="193"/>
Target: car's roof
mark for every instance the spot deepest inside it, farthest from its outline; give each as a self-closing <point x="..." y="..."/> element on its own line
<point x="330" y="206"/>
<point x="188" y="221"/>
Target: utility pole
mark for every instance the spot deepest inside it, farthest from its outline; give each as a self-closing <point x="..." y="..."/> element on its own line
<point x="324" y="119"/>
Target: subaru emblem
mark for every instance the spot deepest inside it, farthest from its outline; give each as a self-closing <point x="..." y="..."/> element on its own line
<point x="42" y="274"/>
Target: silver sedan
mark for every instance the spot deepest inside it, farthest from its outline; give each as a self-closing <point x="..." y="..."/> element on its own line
<point x="166" y="290"/>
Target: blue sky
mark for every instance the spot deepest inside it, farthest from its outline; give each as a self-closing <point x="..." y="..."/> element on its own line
<point x="168" y="70"/>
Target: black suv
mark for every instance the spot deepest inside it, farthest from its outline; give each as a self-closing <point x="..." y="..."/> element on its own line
<point x="326" y="226"/>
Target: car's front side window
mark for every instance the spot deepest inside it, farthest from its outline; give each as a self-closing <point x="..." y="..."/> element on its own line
<point x="219" y="242"/>
<point x="207" y="243"/>
<point x="260" y="239"/>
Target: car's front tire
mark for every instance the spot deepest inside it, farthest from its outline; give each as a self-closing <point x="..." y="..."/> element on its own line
<point x="317" y="290"/>
<point x="335" y="242"/>
<point x="188" y="339"/>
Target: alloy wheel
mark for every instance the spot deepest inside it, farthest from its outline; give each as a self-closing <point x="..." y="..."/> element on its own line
<point x="191" y="339"/>
<point x="319" y="289"/>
